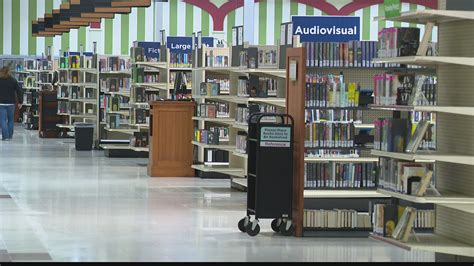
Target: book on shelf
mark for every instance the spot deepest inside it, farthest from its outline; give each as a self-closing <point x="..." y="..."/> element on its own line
<point x="329" y="135"/>
<point x="137" y="54"/>
<point x="209" y="89"/>
<point x="213" y="156"/>
<point x="206" y="136"/>
<point x="252" y="57"/>
<point x="417" y="137"/>
<point x="405" y="225"/>
<point x="340" y="175"/>
<point x="213" y="60"/>
<point x="267" y="57"/>
<point x="398" y="41"/>
<point x="241" y="142"/>
<point x="391" y="134"/>
<point x="330" y="91"/>
<point x="180" y="59"/>
<point x="138" y="74"/>
<point x="140" y="94"/>
<point x="337" y="218"/>
<point x="223" y="85"/>
<point x="243" y="86"/>
<point x="341" y="54"/>
<point x="141" y="116"/>
<point x="213" y="110"/>
<point x="139" y="139"/>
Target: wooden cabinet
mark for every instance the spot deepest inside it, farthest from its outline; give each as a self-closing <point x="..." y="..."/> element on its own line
<point x="171" y="133"/>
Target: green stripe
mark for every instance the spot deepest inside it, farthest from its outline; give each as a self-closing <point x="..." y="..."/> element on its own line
<point x="140" y="24"/>
<point x="48" y="8"/>
<point x="278" y="20"/>
<point x="1" y="26"/>
<point x="125" y="34"/>
<point x="366" y="23"/>
<point x="230" y="24"/>
<point x="189" y="20"/>
<point x="205" y="23"/>
<point x="309" y="11"/>
<point x="81" y="38"/>
<point x="262" y="24"/>
<point x="31" y="16"/>
<point x="381" y="23"/>
<point x="173" y="17"/>
<point x="16" y="27"/>
<point x="109" y="36"/>
<point x="65" y="41"/>
<point x="293" y="9"/>
<point x="412" y="8"/>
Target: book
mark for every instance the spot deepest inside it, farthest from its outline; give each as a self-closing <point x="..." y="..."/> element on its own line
<point x="425" y="182"/>
<point x="409" y="226"/>
<point x="417" y="137"/>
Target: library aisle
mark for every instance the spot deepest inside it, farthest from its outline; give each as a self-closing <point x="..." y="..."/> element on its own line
<point x="62" y="205"/>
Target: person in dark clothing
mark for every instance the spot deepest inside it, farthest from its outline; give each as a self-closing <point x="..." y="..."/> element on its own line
<point x="9" y="89"/>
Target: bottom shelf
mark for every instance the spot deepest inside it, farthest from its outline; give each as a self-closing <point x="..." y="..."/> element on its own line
<point x="432" y="243"/>
<point x="115" y="146"/>
<point x="239" y="183"/>
<point x="336" y="232"/>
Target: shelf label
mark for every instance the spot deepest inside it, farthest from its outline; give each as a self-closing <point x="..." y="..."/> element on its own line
<point x="184" y="45"/>
<point x="278" y="137"/>
<point x="326" y="28"/>
<point x="392" y="8"/>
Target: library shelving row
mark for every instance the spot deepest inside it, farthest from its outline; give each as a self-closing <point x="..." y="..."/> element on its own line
<point x="225" y="95"/>
<point x="78" y="90"/>
<point x="453" y="195"/>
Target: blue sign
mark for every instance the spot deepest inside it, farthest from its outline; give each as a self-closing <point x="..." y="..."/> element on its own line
<point x="184" y="45"/>
<point x="152" y="49"/>
<point x="326" y="28"/>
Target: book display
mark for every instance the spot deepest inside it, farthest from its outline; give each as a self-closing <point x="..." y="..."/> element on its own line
<point x="427" y="167"/>
<point x="225" y="98"/>
<point x="78" y="93"/>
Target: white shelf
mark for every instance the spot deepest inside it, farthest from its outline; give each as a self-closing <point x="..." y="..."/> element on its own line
<point x="123" y="72"/>
<point x="89" y="85"/>
<point x="427" y="60"/>
<point x="426" y="157"/>
<point x="84" y="116"/>
<point x="159" y="86"/>
<point x="140" y="126"/>
<point x="89" y="70"/>
<point x="446" y="198"/>
<point x="223" y="170"/>
<point x="121" y="130"/>
<point x="239" y="154"/>
<point x="63" y="114"/>
<point x="311" y="194"/>
<point x="240" y="181"/>
<point x="358" y="125"/>
<point x="181" y="68"/>
<point x="439" y="109"/>
<point x="431" y="15"/>
<point x="240" y="126"/>
<point x="280" y="102"/>
<point x="469" y="208"/>
<point x="225" y="70"/>
<point x="335" y="159"/>
<point x="217" y="97"/>
<point x="119" y="112"/>
<point x="40" y="70"/>
<point x="94" y="101"/>
<point x="431" y="243"/>
<point x="215" y="120"/>
<point x="159" y="65"/>
<point x="65" y="126"/>
<point x="275" y="72"/>
<point x="220" y="146"/>
<point x="115" y="146"/>
<point x="140" y="149"/>
<point x="118" y="94"/>
<point x="32" y="88"/>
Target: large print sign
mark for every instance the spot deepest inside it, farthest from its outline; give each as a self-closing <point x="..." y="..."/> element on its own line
<point x="183" y="45"/>
<point x="326" y="28"/>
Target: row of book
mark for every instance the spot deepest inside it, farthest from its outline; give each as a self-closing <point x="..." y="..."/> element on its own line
<point x="139" y="76"/>
<point x="216" y="156"/>
<point x="181" y="60"/>
<point x="340" y="175"/>
<point x="395" y="221"/>
<point x="213" y="135"/>
<point x="114" y="63"/>
<point x="394" y="135"/>
<point x="77" y="61"/>
<point x="76" y="77"/>
<point x="332" y="153"/>
<point x="330" y="91"/>
<point x="121" y="85"/>
<point x="411" y="178"/>
<point x="213" y="110"/>
<point x="188" y="76"/>
<point x="30" y="98"/>
<point x="243" y="111"/>
<point x="329" y="135"/>
<point x="139" y="139"/>
<point x="337" y="218"/>
<point x="114" y="103"/>
<point x="341" y="54"/>
<point x="321" y="115"/>
<point x="398" y="41"/>
<point x="405" y="89"/>
<point x="224" y="84"/>
<point x="116" y="121"/>
<point x="38" y="64"/>
<point x="140" y="116"/>
<point x="140" y="95"/>
<point x="216" y="60"/>
<point x="75" y="108"/>
<point x="29" y="81"/>
<point x="241" y="142"/>
<point x="75" y="92"/>
<point x="209" y="89"/>
<point x="137" y="54"/>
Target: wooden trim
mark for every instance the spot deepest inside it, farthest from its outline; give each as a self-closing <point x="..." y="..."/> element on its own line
<point x="113" y="10"/>
<point x="73" y="23"/>
<point x="295" y="106"/>
<point x="129" y="3"/>
<point x="88" y="20"/>
<point x="97" y="15"/>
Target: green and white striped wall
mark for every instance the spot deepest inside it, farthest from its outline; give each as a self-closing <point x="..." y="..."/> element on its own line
<point x="176" y="17"/>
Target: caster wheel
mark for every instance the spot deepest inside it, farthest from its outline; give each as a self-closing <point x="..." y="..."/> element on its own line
<point x="287" y="228"/>
<point x="253" y="228"/>
<point x="243" y="224"/>
<point x="276" y="225"/>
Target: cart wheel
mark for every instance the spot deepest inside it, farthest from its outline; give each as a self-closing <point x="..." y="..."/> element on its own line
<point x="243" y="224"/>
<point x="276" y="225"/>
<point x="253" y="228"/>
<point x="287" y="228"/>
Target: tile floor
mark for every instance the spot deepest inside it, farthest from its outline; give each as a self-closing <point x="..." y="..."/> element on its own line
<point x="62" y="205"/>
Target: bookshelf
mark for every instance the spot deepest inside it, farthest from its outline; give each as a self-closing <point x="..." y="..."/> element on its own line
<point x="234" y="163"/>
<point x="454" y="214"/>
<point x="78" y="91"/>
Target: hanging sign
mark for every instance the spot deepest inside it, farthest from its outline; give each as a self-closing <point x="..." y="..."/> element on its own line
<point x="151" y="49"/>
<point x="184" y="45"/>
<point x="326" y="28"/>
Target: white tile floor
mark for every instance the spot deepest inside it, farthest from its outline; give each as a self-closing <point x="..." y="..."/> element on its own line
<point x="82" y="206"/>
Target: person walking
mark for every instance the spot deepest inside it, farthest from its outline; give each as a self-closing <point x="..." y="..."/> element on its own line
<point x="9" y="88"/>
